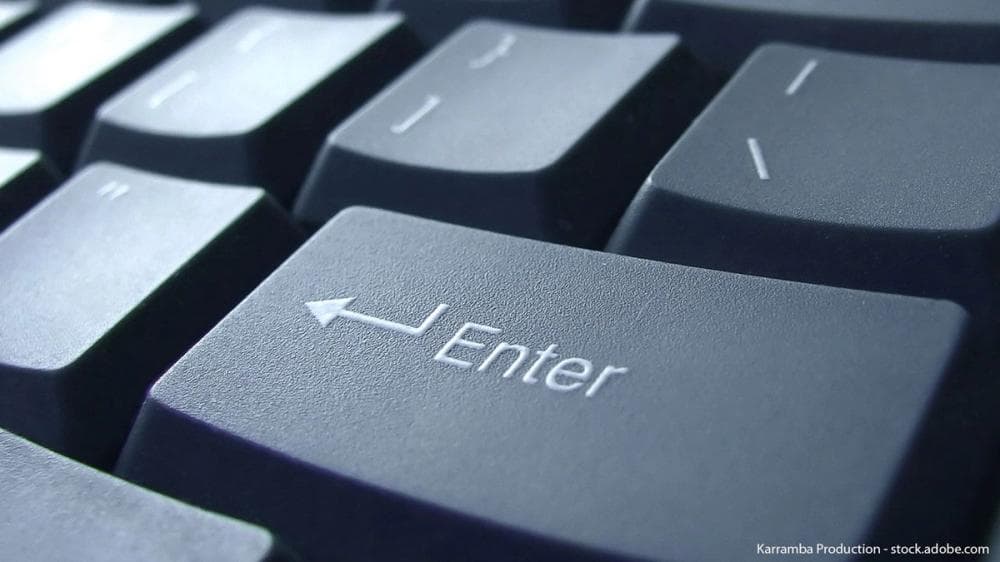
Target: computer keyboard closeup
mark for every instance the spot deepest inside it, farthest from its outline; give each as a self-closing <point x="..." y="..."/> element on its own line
<point x="367" y="280"/>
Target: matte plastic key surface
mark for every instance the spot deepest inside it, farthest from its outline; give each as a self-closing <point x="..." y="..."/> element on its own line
<point x="25" y="178"/>
<point x="838" y="169"/>
<point x="109" y="280"/>
<point x="52" y="508"/>
<point x="511" y="128"/>
<point x="723" y="33"/>
<point x="56" y="72"/>
<point x="478" y="396"/>
<point x="434" y="19"/>
<point x="250" y="101"/>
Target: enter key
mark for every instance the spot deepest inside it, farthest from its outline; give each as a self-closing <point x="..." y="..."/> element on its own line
<point x="474" y="395"/>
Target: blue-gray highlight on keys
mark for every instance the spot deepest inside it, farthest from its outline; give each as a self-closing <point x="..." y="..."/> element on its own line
<point x="106" y="282"/>
<point x="521" y="130"/>
<point x="52" y="508"/>
<point x="475" y="395"/>
<point x="55" y="73"/>
<point x="250" y="101"/>
<point x="840" y="169"/>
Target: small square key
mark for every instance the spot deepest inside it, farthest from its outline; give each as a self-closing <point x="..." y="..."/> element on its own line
<point x="523" y="130"/>
<point x="839" y="169"/>
<point x="25" y="177"/>
<point x="250" y="101"/>
<point x="106" y="282"/>
<point x="476" y="396"/>
<point x="56" y="72"/>
<point x="52" y="508"/>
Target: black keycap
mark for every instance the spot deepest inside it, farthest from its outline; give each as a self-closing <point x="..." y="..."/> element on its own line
<point x="56" y="72"/>
<point x="515" y="129"/>
<point x="479" y="396"/>
<point x="838" y="169"/>
<point x="434" y="19"/>
<point x="52" y="508"/>
<point x="14" y="14"/>
<point x="724" y="32"/>
<point x="108" y="281"/>
<point x="251" y="101"/>
<point x="217" y="9"/>
<point x="25" y="178"/>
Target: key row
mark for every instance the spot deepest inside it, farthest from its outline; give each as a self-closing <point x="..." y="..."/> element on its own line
<point x="889" y="184"/>
<point x="446" y="386"/>
<point x="722" y="32"/>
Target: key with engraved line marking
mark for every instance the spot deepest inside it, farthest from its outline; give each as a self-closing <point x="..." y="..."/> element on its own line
<point x="25" y="177"/>
<point x="839" y="169"/>
<point x="475" y="395"/>
<point x="511" y="128"/>
<point x="250" y="101"/>
<point x="106" y="282"/>
<point x="56" y="72"/>
<point x="434" y="19"/>
<point x="723" y="33"/>
<point x="52" y="508"/>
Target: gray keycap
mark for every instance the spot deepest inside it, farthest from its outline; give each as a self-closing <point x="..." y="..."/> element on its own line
<point x="512" y="128"/>
<point x="840" y="169"/>
<point x="56" y="72"/>
<point x="25" y="178"/>
<point x="724" y="32"/>
<point x="52" y="508"/>
<point x="250" y="101"/>
<point x="106" y="282"/>
<point x="480" y="396"/>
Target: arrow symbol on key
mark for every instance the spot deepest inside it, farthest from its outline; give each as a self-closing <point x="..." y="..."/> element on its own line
<point x="327" y="310"/>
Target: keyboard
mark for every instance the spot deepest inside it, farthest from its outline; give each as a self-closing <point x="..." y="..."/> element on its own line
<point x="681" y="280"/>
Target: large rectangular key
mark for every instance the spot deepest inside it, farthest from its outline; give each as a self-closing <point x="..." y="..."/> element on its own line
<point x="56" y="72"/>
<point x="52" y="508"/>
<point x="106" y="282"/>
<point x="473" y="395"/>
<point x="250" y="101"/>
<point x="522" y="130"/>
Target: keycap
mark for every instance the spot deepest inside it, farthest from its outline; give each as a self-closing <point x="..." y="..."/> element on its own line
<point x="56" y="72"/>
<point x="251" y="101"/>
<point x="511" y="128"/>
<point x="838" y="169"/>
<point x="723" y="33"/>
<point x="52" y="508"/>
<point x="106" y="283"/>
<point x="25" y="177"/>
<point x="479" y="396"/>
<point x="434" y="19"/>
<point x="14" y="14"/>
